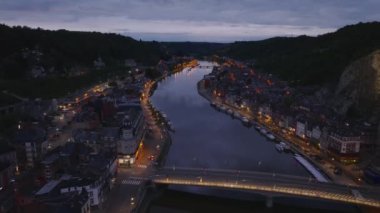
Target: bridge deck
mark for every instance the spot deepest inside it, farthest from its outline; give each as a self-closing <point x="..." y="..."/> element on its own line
<point x="273" y="183"/>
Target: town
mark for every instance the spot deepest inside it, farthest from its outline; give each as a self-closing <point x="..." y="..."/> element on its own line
<point x="67" y="153"/>
<point x="92" y="150"/>
<point x="342" y="148"/>
<point x="70" y="152"/>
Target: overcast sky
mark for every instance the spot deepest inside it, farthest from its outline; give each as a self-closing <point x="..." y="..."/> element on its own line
<point x="191" y="20"/>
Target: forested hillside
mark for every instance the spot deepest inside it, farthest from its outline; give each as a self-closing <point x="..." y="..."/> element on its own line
<point x="62" y="50"/>
<point x="63" y="54"/>
<point x="196" y="49"/>
<point x="310" y="60"/>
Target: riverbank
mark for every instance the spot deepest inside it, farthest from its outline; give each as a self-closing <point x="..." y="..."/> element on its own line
<point x="165" y="139"/>
<point x="205" y="94"/>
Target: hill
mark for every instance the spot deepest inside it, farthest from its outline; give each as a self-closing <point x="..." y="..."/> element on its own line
<point x="66" y="55"/>
<point x="196" y="49"/>
<point x="310" y="60"/>
<point x="46" y="63"/>
<point x="62" y="50"/>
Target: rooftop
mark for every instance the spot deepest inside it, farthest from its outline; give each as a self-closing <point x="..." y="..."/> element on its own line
<point x="50" y="159"/>
<point x="30" y="134"/>
<point x="48" y="187"/>
<point x="6" y="100"/>
<point x="5" y="148"/>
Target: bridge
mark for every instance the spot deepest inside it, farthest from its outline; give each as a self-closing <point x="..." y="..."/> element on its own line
<point x="268" y="184"/>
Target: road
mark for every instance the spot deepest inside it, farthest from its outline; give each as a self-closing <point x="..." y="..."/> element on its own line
<point x="63" y="128"/>
<point x="129" y="184"/>
<point x="127" y="191"/>
<point x="269" y="183"/>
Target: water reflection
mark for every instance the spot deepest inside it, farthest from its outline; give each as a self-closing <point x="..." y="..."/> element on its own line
<point x="207" y="138"/>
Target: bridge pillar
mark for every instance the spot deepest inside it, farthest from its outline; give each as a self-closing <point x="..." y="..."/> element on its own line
<point x="269" y="202"/>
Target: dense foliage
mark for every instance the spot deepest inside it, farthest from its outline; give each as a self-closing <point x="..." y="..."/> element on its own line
<point x="63" y="49"/>
<point x="196" y="49"/>
<point x="67" y="59"/>
<point x="310" y="60"/>
<point x="303" y="59"/>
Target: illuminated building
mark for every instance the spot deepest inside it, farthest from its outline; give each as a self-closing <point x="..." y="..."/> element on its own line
<point x="344" y="146"/>
<point x="132" y="133"/>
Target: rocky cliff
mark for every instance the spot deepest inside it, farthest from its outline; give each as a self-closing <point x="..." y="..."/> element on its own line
<point x="359" y="87"/>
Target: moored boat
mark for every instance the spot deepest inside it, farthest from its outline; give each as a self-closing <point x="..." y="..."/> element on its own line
<point x="171" y="127"/>
<point x="285" y="146"/>
<point x="237" y="115"/>
<point x="279" y="147"/>
<point x="246" y="121"/>
<point x="270" y="136"/>
<point x="263" y="131"/>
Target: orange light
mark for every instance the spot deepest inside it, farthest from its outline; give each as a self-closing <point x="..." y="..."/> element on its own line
<point x="138" y="150"/>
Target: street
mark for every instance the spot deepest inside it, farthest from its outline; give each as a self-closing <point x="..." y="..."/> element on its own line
<point x="129" y="186"/>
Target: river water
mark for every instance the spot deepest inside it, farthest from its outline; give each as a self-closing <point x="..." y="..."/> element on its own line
<point x="206" y="138"/>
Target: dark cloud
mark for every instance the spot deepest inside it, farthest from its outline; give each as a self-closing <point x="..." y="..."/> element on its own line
<point x="226" y="20"/>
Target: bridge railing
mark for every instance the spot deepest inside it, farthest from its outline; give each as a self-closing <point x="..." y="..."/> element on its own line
<point x="232" y="172"/>
<point x="241" y="173"/>
<point x="341" y="194"/>
<point x="258" y="181"/>
<point x="281" y="179"/>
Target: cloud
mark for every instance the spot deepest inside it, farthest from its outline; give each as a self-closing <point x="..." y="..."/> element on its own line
<point x="197" y="20"/>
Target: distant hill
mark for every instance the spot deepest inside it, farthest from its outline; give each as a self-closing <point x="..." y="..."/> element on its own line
<point x="303" y="59"/>
<point x="196" y="49"/>
<point x="62" y="50"/>
<point x="310" y="60"/>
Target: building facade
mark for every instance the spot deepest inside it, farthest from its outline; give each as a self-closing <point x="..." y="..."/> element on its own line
<point x="131" y="140"/>
<point x="345" y="147"/>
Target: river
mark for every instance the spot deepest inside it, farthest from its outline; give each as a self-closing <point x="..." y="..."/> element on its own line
<point x="206" y="138"/>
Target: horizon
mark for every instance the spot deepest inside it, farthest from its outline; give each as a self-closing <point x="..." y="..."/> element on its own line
<point x="215" y="21"/>
<point x="183" y="41"/>
<point x="188" y="41"/>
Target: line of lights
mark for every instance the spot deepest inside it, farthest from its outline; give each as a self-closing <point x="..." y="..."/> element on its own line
<point x="274" y="188"/>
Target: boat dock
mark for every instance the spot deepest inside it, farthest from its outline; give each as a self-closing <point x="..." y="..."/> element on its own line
<point x="317" y="174"/>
